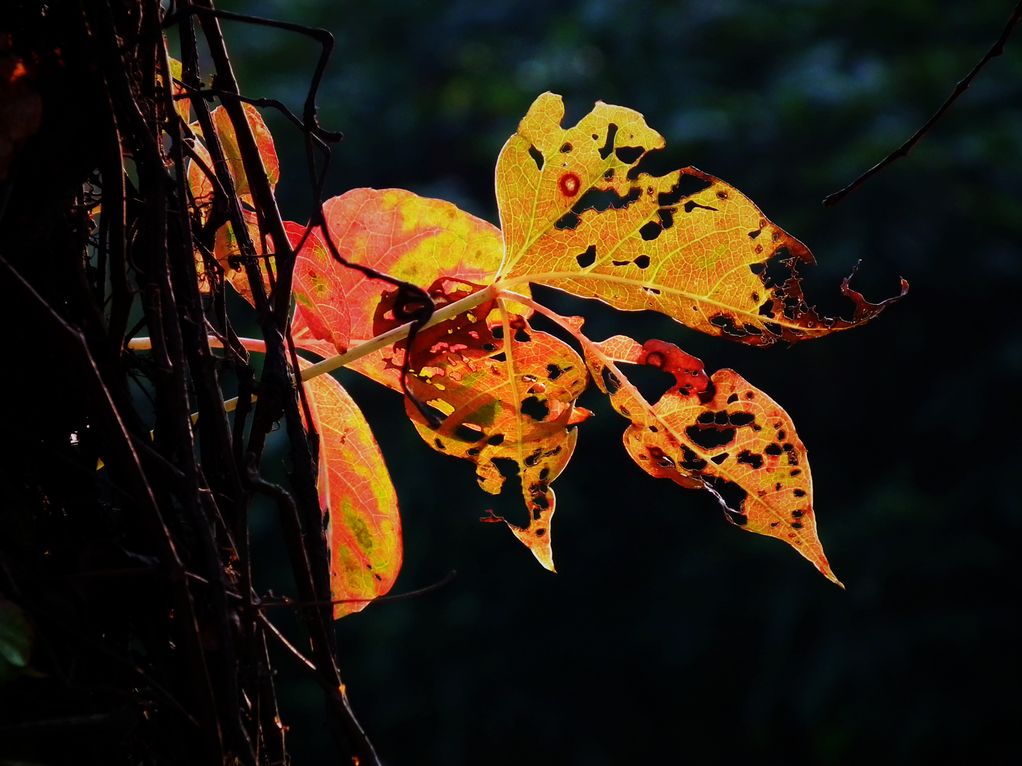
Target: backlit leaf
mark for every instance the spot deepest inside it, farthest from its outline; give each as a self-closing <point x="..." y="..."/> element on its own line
<point x="198" y="180"/>
<point x="183" y="106"/>
<point x="579" y="214"/>
<point x="395" y="232"/>
<point x="504" y="394"/>
<point x="232" y="152"/>
<point x="719" y="433"/>
<point x="398" y="233"/>
<point x="363" y="523"/>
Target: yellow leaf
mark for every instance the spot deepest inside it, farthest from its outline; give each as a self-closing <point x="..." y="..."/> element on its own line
<point x="578" y="213"/>
<point x="718" y="433"/>
<point x="360" y="504"/>
<point x="503" y="394"/>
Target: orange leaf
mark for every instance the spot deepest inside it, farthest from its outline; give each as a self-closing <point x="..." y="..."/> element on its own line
<point x="183" y="106"/>
<point x="579" y="214"/>
<point x="360" y="505"/>
<point x="232" y="152"/>
<point x="393" y="231"/>
<point x="503" y="393"/>
<point x="227" y="253"/>
<point x="719" y="433"/>
<point x="199" y="182"/>
<point x="410" y="238"/>
<point x="322" y="321"/>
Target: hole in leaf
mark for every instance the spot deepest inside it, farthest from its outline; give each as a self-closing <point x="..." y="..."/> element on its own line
<point x="535" y="408"/>
<point x="692" y="205"/>
<point x="605" y="199"/>
<point x="610" y="380"/>
<point x="568" y="221"/>
<point x="628" y="154"/>
<point x="731" y="495"/>
<point x="710" y="437"/>
<point x="468" y="432"/>
<point x="588" y="258"/>
<point x="750" y="459"/>
<point x="608" y="146"/>
<point x="650" y="231"/>
<point x="741" y="418"/>
<point x="685" y="186"/>
<point x="537" y="157"/>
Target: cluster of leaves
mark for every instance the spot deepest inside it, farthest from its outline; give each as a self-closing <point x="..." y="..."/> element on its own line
<point x="579" y="212"/>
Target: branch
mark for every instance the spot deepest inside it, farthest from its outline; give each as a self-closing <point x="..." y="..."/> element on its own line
<point x="902" y="151"/>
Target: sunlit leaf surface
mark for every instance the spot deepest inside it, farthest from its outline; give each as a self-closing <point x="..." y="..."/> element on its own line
<point x="363" y="523"/>
<point x="719" y="433"/>
<point x="578" y="213"/>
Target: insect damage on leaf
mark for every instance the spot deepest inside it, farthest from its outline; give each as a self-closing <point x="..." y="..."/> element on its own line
<point x="395" y="232"/>
<point x="503" y="396"/>
<point x="719" y="433"/>
<point x="358" y="497"/>
<point x="579" y="213"/>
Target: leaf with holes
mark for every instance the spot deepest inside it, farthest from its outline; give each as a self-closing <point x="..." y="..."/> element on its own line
<point x="579" y="213"/>
<point x="395" y="232"/>
<point x="360" y="504"/>
<point x="502" y="395"/>
<point x="719" y="433"/>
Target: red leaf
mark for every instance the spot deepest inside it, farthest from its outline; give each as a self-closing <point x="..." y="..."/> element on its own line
<point x="360" y="504"/>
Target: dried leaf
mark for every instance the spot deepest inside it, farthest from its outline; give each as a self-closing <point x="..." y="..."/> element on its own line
<point x="504" y="396"/>
<point x="719" y="433"/>
<point x="579" y="214"/>
<point x="360" y="504"/>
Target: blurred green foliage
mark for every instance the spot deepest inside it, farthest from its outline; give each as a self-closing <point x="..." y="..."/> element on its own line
<point x="669" y="634"/>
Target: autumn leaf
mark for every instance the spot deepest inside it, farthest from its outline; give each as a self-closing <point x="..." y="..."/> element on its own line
<point x="411" y="238"/>
<point x="198" y="181"/>
<point x="503" y="396"/>
<point x="578" y="213"/>
<point x="226" y="250"/>
<point x="360" y="504"/>
<point x="228" y="256"/>
<point x="719" y="433"/>
<point x="232" y="151"/>
<point x="183" y="106"/>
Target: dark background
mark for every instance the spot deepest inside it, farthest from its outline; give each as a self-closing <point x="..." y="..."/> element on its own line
<point x="669" y="634"/>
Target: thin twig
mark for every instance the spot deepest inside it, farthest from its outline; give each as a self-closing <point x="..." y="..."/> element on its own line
<point x="902" y="151"/>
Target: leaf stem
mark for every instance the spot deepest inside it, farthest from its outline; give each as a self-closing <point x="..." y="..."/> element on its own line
<point x="370" y="346"/>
